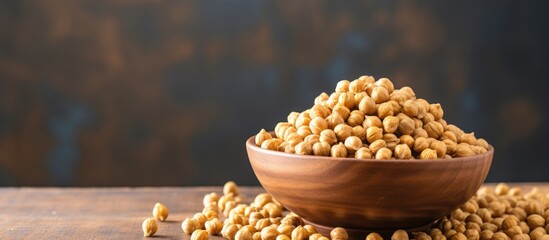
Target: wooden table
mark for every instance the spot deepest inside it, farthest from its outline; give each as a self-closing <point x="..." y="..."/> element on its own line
<point x="106" y="213"/>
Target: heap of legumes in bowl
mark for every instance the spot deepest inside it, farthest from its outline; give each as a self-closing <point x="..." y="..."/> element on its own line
<point x="369" y="157"/>
<point x="369" y="119"/>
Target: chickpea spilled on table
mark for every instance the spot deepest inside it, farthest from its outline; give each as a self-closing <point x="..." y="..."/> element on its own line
<point x="500" y="213"/>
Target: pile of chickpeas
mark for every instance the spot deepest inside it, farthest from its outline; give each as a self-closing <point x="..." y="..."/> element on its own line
<point x="369" y="119"/>
<point x="502" y="213"/>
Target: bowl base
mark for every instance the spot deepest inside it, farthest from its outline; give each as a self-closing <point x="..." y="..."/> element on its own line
<point x="360" y="234"/>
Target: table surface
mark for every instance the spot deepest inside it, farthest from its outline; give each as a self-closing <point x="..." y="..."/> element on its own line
<point x="108" y="213"/>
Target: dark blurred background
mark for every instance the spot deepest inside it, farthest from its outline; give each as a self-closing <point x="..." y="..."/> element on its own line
<point x="143" y="92"/>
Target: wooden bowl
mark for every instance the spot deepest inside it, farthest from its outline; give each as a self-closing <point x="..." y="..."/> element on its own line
<point x="368" y="194"/>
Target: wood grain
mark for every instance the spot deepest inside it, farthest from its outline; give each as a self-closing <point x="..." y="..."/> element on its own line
<point x="97" y="213"/>
<point x="106" y="213"/>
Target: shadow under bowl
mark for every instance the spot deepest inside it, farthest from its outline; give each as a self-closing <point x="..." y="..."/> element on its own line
<point x="370" y="194"/>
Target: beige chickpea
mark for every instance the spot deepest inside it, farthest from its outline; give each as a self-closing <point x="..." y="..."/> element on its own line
<point x="282" y="237"/>
<point x="256" y="236"/>
<point x="333" y="120"/>
<point x="428" y="154"/>
<point x="386" y="83"/>
<point x="463" y="150"/>
<point x="449" y="135"/>
<point x="352" y="144"/>
<point x="535" y="221"/>
<point x="293" y="139"/>
<point x="406" y="126"/>
<point x="363" y="153"/>
<point x="229" y="231"/>
<point x="384" y="153"/>
<point x="274" y="210"/>
<point x="483" y="143"/>
<point x="468" y="138"/>
<point x="314" y="236"/>
<point x="400" y="235"/>
<point x="407" y="139"/>
<point x="436" y="110"/>
<point x="347" y="100"/>
<point x="451" y="146"/>
<point x="402" y="151"/>
<point x="478" y="149"/>
<point x="376" y="145"/>
<point x="262" y="136"/>
<point x="312" y="139"/>
<point x="262" y="199"/>
<point x="391" y="140"/>
<point x="317" y="125"/>
<point x="421" y="144"/>
<point x="396" y="107"/>
<point x="537" y="233"/>
<point x="210" y="198"/>
<point x="338" y="150"/>
<point x="521" y="236"/>
<point x="343" y="131"/>
<point x="342" y="86"/>
<point x="299" y="233"/>
<point x="272" y="144"/>
<point x="439" y="147"/>
<point x="458" y="236"/>
<point x="360" y="132"/>
<point x="328" y="136"/>
<point x="343" y="111"/>
<point x="357" y="86"/>
<point x="501" y="189"/>
<point x="321" y="98"/>
<point x="332" y="100"/>
<point x="304" y="131"/>
<point x="285" y="229"/>
<point x="214" y="226"/>
<point x="418" y="124"/>
<point x="262" y="223"/>
<point x="321" y="149"/>
<point x="372" y="121"/>
<point x="374" y="236"/>
<point x="367" y="105"/>
<point x="380" y="94"/>
<point x="189" y="225"/>
<point x="286" y="147"/>
<point x="339" y="234"/>
<point x="433" y="129"/>
<point x="280" y="128"/>
<point x="302" y="120"/>
<point x="243" y="234"/>
<point x="373" y="133"/>
<point x="292" y="117"/>
<point x="304" y="148"/>
<point x="384" y="110"/>
<point x="358" y="98"/>
<point x="201" y="218"/>
<point x="319" y="111"/>
<point x="390" y="124"/>
<point x="356" y="118"/>
<point x="200" y="235"/>
<point x="423" y="107"/>
<point x="408" y="91"/>
<point x="230" y="187"/>
<point x="269" y="233"/>
<point x="398" y="97"/>
<point x="410" y="108"/>
<point x="367" y="79"/>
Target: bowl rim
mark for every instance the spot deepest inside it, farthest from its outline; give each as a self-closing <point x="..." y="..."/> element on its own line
<point x="250" y="143"/>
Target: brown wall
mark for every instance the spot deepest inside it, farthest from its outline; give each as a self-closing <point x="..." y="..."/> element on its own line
<point x="166" y="92"/>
